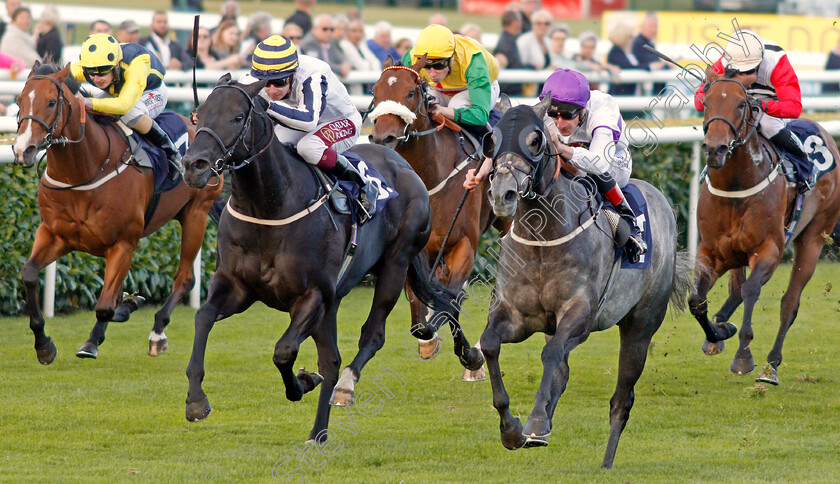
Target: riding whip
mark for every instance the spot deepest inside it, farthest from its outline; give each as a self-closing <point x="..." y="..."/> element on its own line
<point x="448" y="233"/>
<point x="668" y="59"/>
<point x="195" y="55"/>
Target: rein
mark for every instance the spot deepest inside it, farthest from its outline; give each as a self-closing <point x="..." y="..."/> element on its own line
<point x="747" y="127"/>
<point x="50" y="139"/>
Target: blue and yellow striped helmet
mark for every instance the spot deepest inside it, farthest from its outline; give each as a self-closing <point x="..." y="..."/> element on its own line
<point x="274" y="58"/>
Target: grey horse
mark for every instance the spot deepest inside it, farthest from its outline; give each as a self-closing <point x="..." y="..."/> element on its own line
<point x="567" y="284"/>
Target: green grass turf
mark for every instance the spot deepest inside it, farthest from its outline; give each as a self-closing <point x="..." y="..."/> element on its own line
<point x="121" y="417"/>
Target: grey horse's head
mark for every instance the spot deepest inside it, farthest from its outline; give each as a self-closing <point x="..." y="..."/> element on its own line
<point x="519" y="147"/>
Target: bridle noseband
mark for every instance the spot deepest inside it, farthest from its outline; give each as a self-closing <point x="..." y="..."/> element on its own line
<point x="51" y="138"/>
<point x="420" y="91"/>
<point x="227" y="152"/>
<point x="747" y="128"/>
<point x="526" y="186"/>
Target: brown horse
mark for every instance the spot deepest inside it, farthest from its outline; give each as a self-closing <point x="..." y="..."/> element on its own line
<point x="743" y="208"/>
<point x="440" y="156"/>
<point x="92" y="200"/>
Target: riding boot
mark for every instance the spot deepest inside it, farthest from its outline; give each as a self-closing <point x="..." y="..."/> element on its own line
<point x="608" y="188"/>
<point x="786" y="141"/>
<point x="345" y="170"/>
<point x="159" y="138"/>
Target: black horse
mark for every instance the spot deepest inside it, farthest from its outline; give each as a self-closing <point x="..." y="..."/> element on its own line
<point x="279" y="243"/>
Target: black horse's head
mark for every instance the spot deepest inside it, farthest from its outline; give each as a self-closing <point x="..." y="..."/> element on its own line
<point x="231" y="124"/>
<point x="520" y="149"/>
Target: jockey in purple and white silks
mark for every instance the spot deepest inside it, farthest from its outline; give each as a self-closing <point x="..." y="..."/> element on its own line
<point x="312" y="110"/>
<point x="588" y="133"/>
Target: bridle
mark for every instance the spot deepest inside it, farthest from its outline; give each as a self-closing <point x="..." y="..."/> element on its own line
<point x="747" y="128"/>
<point x="420" y="91"/>
<point x="525" y="186"/>
<point x="227" y="152"/>
<point x="51" y="137"/>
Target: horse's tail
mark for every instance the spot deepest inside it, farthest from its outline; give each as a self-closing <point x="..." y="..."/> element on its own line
<point x="682" y="280"/>
<point x="427" y="289"/>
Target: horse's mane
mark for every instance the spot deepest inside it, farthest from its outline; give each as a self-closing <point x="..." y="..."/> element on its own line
<point x="50" y="68"/>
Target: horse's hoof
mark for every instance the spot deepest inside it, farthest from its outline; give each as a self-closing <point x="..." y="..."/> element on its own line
<point x="309" y="380"/>
<point x="715" y="348"/>
<point x="477" y="375"/>
<point x="134" y="301"/>
<point x="513" y="439"/>
<point x="88" y="350"/>
<point x="537" y="430"/>
<point x="768" y="375"/>
<point x="157" y="348"/>
<point x="474" y="359"/>
<point x="198" y="411"/>
<point x="728" y="329"/>
<point x="742" y="366"/>
<point x="46" y="354"/>
<point x="342" y="397"/>
<point x="429" y="348"/>
<point x="536" y="441"/>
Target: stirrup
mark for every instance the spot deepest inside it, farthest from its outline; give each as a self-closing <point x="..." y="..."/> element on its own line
<point x="635" y="248"/>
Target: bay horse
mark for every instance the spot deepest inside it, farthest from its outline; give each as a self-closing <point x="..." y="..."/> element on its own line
<point x="742" y="224"/>
<point x="278" y="244"/>
<point x="571" y="283"/>
<point x="92" y="200"/>
<point x="441" y="157"/>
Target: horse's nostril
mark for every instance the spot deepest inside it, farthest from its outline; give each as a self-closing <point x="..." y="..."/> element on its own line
<point x="510" y="196"/>
<point x="390" y="139"/>
<point x="29" y="151"/>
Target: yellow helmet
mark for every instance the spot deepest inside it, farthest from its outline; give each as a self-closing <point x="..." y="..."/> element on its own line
<point x="436" y="41"/>
<point x="100" y="50"/>
<point x="274" y="58"/>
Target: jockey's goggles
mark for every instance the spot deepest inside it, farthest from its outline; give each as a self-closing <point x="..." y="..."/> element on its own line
<point x="566" y="112"/>
<point x="98" y="70"/>
<point x="279" y="82"/>
<point x="438" y="64"/>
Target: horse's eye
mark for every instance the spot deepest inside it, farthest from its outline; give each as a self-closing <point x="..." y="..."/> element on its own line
<point x="52" y="103"/>
<point x="742" y="105"/>
<point x="239" y="117"/>
<point x="410" y="94"/>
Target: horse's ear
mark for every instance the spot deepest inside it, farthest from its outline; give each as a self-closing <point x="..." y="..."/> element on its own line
<point x="542" y="107"/>
<point x="388" y="62"/>
<point x="36" y="65"/>
<point x="63" y="73"/>
<point x="254" y="89"/>
<point x="225" y="79"/>
<point x="421" y="63"/>
<point x="504" y="103"/>
<point x="711" y="74"/>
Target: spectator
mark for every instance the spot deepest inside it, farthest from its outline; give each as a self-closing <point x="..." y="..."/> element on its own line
<point x="340" y="28"/>
<point x="832" y="63"/>
<point x="621" y="56"/>
<point x="171" y="54"/>
<point x="380" y="44"/>
<point x="230" y="11"/>
<point x="11" y="6"/>
<point x="259" y="29"/>
<point x="533" y="45"/>
<point x="319" y="43"/>
<point x="353" y="13"/>
<point x="14" y="66"/>
<point x="647" y="36"/>
<point x="100" y="27"/>
<point x="187" y="5"/>
<point x="472" y="31"/>
<point x="225" y="40"/>
<point x="17" y="41"/>
<point x="206" y="59"/>
<point x="528" y="7"/>
<point x="355" y="49"/>
<point x="293" y="32"/>
<point x="438" y="18"/>
<point x="506" y="52"/>
<point x="49" y="43"/>
<point x="586" y="58"/>
<point x="128" y="32"/>
<point x="302" y="16"/>
<point x="557" y="43"/>
<point x="403" y="45"/>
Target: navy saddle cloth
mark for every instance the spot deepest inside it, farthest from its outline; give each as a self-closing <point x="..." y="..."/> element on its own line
<point x="370" y="173"/>
<point x="639" y="205"/>
<point x="174" y="126"/>
<point x="815" y="147"/>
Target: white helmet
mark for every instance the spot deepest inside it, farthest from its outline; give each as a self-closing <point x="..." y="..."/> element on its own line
<point x="746" y="50"/>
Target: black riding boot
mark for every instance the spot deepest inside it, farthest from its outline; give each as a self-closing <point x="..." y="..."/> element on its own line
<point x="788" y="142"/>
<point x="635" y="246"/>
<point x="345" y="170"/>
<point x="159" y="138"/>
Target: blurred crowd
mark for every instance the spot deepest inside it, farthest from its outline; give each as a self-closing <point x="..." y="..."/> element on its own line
<point x="530" y="38"/>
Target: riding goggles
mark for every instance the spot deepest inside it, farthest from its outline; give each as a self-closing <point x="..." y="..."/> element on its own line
<point x="279" y="82"/>
<point x="98" y="70"/>
<point x="565" y="113"/>
<point x="438" y="64"/>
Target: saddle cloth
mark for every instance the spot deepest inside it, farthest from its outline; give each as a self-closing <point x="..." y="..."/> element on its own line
<point x="154" y="157"/>
<point x="352" y="190"/>
<point x="815" y="147"/>
<point x="639" y="205"/>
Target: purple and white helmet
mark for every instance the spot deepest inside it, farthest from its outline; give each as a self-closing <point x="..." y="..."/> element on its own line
<point x="567" y="87"/>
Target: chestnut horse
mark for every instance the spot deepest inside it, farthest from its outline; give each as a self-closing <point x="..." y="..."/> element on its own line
<point x="440" y="156"/>
<point x="92" y="200"/>
<point x="741" y="216"/>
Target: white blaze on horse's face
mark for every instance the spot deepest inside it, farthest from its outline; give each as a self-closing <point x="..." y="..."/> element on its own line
<point x="23" y="139"/>
<point x="392" y="80"/>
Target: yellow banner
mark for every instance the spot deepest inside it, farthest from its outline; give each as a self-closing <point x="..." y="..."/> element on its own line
<point x="791" y="32"/>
